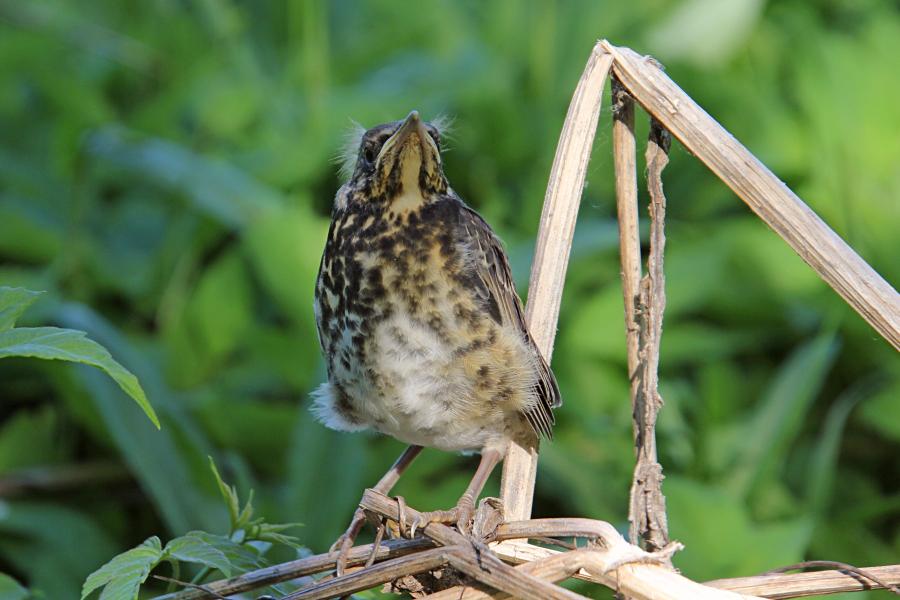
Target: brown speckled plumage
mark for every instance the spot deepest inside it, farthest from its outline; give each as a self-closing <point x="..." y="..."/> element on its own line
<point x="419" y="322"/>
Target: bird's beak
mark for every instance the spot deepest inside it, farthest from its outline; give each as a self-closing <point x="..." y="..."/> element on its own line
<point x="409" y="149"/>
<point x="412" y="127"/>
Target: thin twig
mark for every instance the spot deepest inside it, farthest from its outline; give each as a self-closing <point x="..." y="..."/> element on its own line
<point x="301" y="568"/>
<point x="364" y="579"/>
<point x="188" y="584"/>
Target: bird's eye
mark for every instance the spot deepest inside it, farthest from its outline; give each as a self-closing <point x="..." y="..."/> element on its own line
<point x="369" y="154"/>
<point x="436" y="137"/>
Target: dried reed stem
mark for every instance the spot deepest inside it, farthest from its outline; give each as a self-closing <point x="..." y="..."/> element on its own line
<point x="829" y="256"/>
<point x="647" y="507"/>
<point x="629" y="235"/>
<point x="300" y="568"/>
<point x="551" y="255"/>
<point x="799" y="585"/>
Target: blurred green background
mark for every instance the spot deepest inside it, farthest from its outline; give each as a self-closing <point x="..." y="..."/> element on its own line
<point x="166" y="174"/>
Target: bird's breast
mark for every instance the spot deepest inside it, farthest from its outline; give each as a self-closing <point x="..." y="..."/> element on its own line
<point x="406" y="339"/>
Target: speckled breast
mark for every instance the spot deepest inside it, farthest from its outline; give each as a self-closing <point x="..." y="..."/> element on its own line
<point x="411" y="347"/>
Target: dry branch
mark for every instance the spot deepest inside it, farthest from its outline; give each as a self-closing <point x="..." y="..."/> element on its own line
<point x="629" y="235"/>
<point x="614" y="562"/>
<point x="836" y="262"/>
<point x="647" y="507"/>
<point x="799" y="585"/>
<point x="374" y="575"/>
<point x="479" y="563"/>
<point x="300" y="568"/>
<point x="551" y="255"/>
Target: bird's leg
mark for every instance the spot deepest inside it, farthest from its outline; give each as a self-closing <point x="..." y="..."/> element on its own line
<point x="461" y="514"/>
<point x="384" y="485"/>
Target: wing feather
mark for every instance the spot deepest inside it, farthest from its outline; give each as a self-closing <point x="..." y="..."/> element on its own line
<point x="491" y="266"/>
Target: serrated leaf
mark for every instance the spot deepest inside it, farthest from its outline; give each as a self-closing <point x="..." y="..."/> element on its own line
<point x="10" y="589"/>
<point x="241" y="557"/>
<point x="53" y="343"/>
<point x="193" y="548"/>
<point x="280" y="538"/>
<point x="271" y="532"/>
<point x="13" y="302"/>
<point x="124" y="574"/>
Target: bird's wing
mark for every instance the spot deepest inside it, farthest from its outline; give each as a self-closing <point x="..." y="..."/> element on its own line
<point x="492" y="269"/>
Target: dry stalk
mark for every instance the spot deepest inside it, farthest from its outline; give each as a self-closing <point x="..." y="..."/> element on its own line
<point x="799" y="585"/>
<point x="551" y="254"/>
<point x="300" y="568"/>
<point x="613" y="562"/>
<point x="647" y="509"/>
<point x="370" y="577"/>
<point x="816" y="243"/>
<point x="629" y="236"/>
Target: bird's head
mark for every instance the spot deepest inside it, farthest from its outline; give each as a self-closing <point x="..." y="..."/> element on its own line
<point x="397" y="160"/>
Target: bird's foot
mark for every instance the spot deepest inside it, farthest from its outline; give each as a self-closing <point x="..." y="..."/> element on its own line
<point x="345" y="542"/>
<point x="460" y="515"/>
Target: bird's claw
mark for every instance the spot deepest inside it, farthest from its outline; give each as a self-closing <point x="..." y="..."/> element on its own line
<point x="345" y="542"/>
<point x="460" y="515"/>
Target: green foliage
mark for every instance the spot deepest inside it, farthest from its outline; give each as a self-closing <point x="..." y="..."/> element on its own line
<point x="11" y="590"/>
<point x="53" y="343"/>
<point x="167" y="175"/>
<point x="121" y="578"/>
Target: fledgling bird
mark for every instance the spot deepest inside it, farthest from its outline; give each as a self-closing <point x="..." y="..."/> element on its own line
<point x="422" y="331"/>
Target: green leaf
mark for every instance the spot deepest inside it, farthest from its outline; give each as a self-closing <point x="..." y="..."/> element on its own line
<point x="781" y="413"/>
<point x="215" y="187"/>
<point x="270" y="532"/>
<point x="169" y="464"/>
<point x="213" y="323"/>
<point x="70" y="545"/>
<point x="241" y="557"/>
<point x="229" y="494"/>
<point x="823" y="468"/>
<point x="13" y="302"/>
<point x="193" y="548"/>
<point x="53" y="343"/>
<point x="10" y="589"/>
<point x="30" y="438"/>
<point x="124" y="574"/>
<point x="246" y="515"/>
<point x="882" y="412"/>
<point x="690" y="504"/>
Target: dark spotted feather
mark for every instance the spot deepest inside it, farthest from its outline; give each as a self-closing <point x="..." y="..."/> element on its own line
<point x="492" y="270"/>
